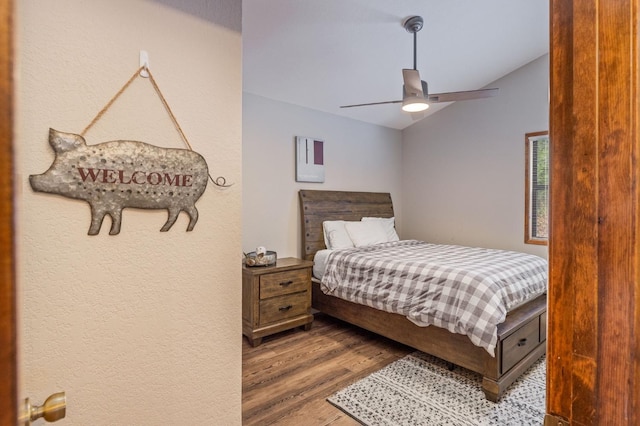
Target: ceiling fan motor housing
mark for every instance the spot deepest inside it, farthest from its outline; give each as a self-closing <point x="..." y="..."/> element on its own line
<point x="425" y="90"/>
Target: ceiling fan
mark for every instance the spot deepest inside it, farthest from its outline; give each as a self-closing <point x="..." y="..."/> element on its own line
<point x="415" y="94"/>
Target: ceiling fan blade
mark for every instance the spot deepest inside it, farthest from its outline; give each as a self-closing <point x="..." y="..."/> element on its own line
<point x="412" y="82"/>
<point x="462" y="96"/>
<point x="371" y="103"/>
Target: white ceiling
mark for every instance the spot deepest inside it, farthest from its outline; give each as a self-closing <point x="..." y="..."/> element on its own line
<point x="321" y="54"/>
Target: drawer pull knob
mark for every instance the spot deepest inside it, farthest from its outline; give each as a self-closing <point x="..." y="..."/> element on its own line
<point x="285" y="308"/>
<point x="522" y="342"/>
<point x="286" y="283"/>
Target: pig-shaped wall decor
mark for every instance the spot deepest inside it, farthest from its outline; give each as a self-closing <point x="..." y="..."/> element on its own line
<point x="113" y="175"/>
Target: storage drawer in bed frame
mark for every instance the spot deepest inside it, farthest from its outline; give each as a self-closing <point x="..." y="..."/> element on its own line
<point x="524" y="332"/>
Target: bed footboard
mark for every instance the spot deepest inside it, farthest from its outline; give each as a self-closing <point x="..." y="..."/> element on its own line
<point x="521" y="338"/>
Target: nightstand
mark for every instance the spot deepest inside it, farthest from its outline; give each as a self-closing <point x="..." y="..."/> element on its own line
<point x="276" y="298"/>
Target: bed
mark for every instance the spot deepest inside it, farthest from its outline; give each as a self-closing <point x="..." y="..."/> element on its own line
<point x="521" y="338"/>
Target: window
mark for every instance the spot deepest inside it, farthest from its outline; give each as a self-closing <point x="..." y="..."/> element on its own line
<point x="536" y="226"/>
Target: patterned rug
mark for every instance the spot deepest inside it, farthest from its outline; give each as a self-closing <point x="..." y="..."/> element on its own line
<point x="419" y="390"/>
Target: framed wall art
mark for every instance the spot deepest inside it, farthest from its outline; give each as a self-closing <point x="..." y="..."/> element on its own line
<point x="309" y="159"/>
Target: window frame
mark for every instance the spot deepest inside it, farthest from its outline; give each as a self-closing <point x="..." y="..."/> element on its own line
<point x="528" y="213"/>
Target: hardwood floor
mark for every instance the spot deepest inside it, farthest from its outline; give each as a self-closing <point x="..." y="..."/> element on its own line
<point x="286" y="380"/>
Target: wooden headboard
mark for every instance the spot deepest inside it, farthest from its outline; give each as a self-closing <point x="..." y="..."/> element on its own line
<point x="318" y="206"/>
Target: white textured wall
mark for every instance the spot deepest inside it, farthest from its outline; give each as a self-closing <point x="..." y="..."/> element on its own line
<point x="144" y="327"/>
<point x="464" y="167"/>
<point x="357" y="156"/>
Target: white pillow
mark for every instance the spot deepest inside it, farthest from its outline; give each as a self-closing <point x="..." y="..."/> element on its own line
<point x="366" y="233"/>
<point x="389" y="225"/>
<point x="335" y="234"/>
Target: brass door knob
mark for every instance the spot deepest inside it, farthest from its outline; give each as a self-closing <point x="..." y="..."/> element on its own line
<point x="53" y="409"/>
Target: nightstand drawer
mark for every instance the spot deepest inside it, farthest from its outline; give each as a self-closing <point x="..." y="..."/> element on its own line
<point x="520" y="343"/>
<point x="283" y="307"/>
<point x="281" y="283"/>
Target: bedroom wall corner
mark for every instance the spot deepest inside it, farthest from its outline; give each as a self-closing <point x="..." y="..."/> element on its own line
<point x="463" y="168"/>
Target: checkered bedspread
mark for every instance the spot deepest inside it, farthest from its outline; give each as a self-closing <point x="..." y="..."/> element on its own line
<point x="465" y="290"/>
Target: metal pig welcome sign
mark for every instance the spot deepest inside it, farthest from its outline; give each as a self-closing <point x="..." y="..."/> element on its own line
<point x="113" y="175"/>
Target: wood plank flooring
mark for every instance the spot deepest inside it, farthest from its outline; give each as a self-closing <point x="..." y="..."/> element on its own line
<point x="286" y="380"/>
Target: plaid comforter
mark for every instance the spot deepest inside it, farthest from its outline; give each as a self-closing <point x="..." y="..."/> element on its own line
<point x="465" y="290"/>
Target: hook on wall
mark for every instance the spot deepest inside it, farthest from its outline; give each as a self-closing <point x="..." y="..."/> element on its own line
<point x="144" y="62"/>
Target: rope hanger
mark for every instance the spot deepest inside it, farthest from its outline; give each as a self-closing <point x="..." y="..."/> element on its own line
<point x="220" y="181"/>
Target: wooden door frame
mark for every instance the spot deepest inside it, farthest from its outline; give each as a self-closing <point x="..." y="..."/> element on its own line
<point x="593" y="339"/>
<point x="8" y="348"/>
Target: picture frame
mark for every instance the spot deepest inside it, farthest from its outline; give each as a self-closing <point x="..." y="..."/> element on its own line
<point x="309" y="159"/>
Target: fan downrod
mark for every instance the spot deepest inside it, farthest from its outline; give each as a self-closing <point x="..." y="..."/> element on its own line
<point x="413" y="24"/>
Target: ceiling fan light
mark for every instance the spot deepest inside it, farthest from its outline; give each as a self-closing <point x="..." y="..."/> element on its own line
<point x="414" y="104"/>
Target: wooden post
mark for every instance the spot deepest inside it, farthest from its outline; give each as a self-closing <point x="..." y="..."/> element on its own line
<point x="594" y="290"/>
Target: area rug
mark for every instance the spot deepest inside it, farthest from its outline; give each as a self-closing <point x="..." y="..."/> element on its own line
<point x="419" y="390"/>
